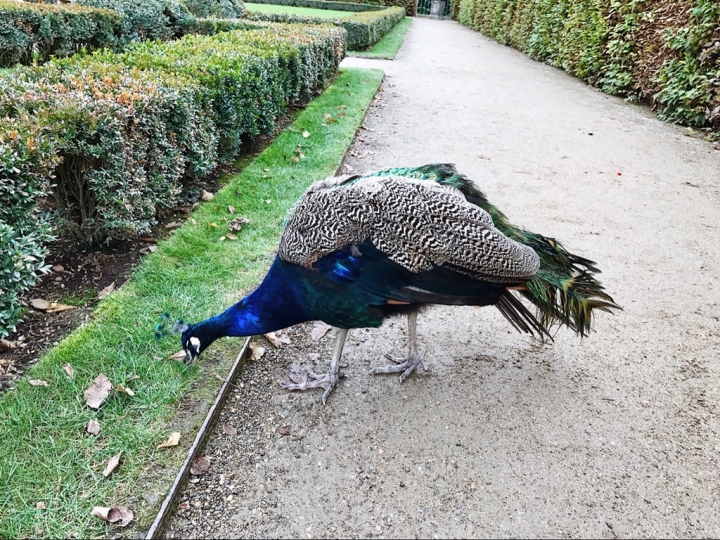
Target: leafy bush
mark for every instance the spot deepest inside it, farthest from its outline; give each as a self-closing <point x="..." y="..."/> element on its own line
<point x="222" y="9"/>
<point x="364" y="29"/>
<point x="26" y="161"/>
<point x="148" y="19"/>
<point x="664" y="51"/>
<point x="324" y="4"/>
<point x="29" y="31"/>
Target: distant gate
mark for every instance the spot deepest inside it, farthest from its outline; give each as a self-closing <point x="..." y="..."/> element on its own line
<point x="435" y="8"/>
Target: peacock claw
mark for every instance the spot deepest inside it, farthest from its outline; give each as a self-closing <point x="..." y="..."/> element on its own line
<point x="404" y="365"/>
<point x="301" y="381"/>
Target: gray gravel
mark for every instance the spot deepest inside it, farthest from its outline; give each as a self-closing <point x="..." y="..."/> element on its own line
<point x="612" y="436"/>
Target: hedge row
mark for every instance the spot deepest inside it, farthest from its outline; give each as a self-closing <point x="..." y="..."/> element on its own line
<point x="322" y="4"/>
<point x="221" y="9"/>
<point x="364" y="29"/>
<point x="123" y="133"/>
<point x="663" y="51"/>
<point x="29" y="31"/>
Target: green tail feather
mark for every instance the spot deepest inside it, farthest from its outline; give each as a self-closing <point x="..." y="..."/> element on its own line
<point x="564" y="289"/>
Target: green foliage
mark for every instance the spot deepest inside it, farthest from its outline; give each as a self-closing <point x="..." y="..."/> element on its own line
<point x="690" y="82"/>
<point x="222" y="9"/>
<point x="466" y="12"/>
<point x="37" y="31"/>
<point x="26" y="160"/>
<point x="364" y="29"/>
<point x="388" y="46"/>
<point x="320" y="4"/>
<point x="148" y="19"/>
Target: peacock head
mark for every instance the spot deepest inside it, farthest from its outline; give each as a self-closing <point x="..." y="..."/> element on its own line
<point x="192" y="344"/>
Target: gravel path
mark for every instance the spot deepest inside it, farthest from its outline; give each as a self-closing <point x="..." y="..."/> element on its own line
<point x="612" y="436"/>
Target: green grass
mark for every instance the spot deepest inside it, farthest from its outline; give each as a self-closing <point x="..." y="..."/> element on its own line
<point x="44" y="454"/>
<point x="389" y="45"/>
<point x="310" y="12"/>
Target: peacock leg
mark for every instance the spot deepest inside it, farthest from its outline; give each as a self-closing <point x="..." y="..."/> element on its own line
<point x="405" y="365"/>
<point x="307" y="379"/>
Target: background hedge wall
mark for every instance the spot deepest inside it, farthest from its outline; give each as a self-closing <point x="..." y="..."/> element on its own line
<point x="122" y="134"/>
<point x="357" y="5"/>
<point x="364" y="29"/>
<point x="663" y="51"/>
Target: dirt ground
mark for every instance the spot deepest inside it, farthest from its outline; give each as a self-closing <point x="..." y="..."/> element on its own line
<point x="612" y="436"/>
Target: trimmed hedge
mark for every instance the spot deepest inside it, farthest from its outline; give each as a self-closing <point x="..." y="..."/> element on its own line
<point x="663" y="51"/>
<point x="322" y="4"/>
<point x="222" y="9"/>
<point x="123" y="133"/>
<point x="364" y="29"/>
<point x="37" y="31"/>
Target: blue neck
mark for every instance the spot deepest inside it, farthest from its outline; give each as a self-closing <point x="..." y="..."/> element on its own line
<point x="274" y="305"/>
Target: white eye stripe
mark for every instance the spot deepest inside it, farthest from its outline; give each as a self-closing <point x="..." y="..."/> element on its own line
<point x="195" y="342"/>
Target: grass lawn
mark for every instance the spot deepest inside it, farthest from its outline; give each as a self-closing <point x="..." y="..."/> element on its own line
<point x="50" y="470"/>
<point x="310" y="12"/>
<point x="389" y="45"/>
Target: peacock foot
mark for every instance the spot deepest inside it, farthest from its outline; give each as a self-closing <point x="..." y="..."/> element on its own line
<point x="404" y="365"/>
<point x="305" y="380"/>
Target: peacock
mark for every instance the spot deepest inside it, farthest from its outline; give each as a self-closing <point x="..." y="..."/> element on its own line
<point x="358" y="249"/>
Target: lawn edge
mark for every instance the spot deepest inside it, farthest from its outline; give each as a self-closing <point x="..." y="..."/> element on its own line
<point x="369" y="54"/>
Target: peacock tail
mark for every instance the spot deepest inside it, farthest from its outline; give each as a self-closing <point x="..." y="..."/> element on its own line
<point x="564" y="289"/>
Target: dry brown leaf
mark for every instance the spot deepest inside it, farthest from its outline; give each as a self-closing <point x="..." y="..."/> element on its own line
<point x="179" y="356"/>
<point x="294" y="159"/>
<point x="173" y="225"/>
<point x="231" y="209"/>
<point x="231" y="236"/>
<point x="236" y="224"/>
<point x="134" y="377"/>
<point x="229" y="430"/>
<point x="93" y="428"/>
<point x="184" y="505"/>
<point x="306" y="133"/>
<point x="200" y="465"/>
<point x="206" y="195"/>
<point x="257" y="351"/>
<point x="107" y="290"/>
<point x="277" y="339"/>
<point x="172" y="441"/>
<point x="59" y="268"/>
<point x="112" y="465"/>
<point x="49" y="307"/>
<point x="40" y="505"/>
<point x="319" y="330"/>
<point x="69" y="371"/>
<point x="6" y="345"/>
<point x="327" y="115"/>
<point x="124" y="390"/>
<point x="284" y="430"/>
<point x="97" y="392"/>
<point x="117" y="515"/>
<point x="37" y="382"/>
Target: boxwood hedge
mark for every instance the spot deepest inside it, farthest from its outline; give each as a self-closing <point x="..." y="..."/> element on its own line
<point x="121" y="134"/>
<point x="364" y="29"/>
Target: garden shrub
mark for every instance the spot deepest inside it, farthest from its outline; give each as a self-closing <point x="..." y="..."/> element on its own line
<point x="663" y="51"/>
<point x="323" y="4"/>
<point x="221" y="9"/>
<point x="37" y="31"/>
<point x="27" y="159"/>
<point x="364" y="29"/>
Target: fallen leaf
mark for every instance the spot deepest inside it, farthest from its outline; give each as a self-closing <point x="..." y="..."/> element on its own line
<point x="97" y="392"/>
<point x="184" y="505"/>
<point x="341" y="115"/>
<point x="229" y="430"/>
<point x="257" y="351"/>
<point x="319" y="330"/>
<point x="321" y="448"/>
<point x="327" y="115"/>
<point x="173" y="225"/>
<point x="192" y="220"/>
<point x="266" y="170"/>
<point x="332" y="120"/>
<point x="152" y="249"/>
<point x="221" y="239"/>
<point x="483" y="157"/>
<point x="149" y="240"/>
<point x="69" y="371"/>
<point x="231" y="209"/>
<point x="179" y="356"/>
<point x="172" y="441"/>
<point x="277" y="339"/>
<point x="119" y="515"/>
<point x="294" y="159"/>
<point x="59" y="268"/>
<point x="200" y="465"/>
<point x="112" y="465"/>
<point x="128" y="391"/>
<point x="206" y="195"/>
<point x="6" y="345"/>
<point x="92" y="427"/>
<point x="306" y="134"/>
<point x="284" y="430"/>
<point x="236" y="224"/>
<point x="231" y="236"/>
<point x="49" y="307"/>
<point x="40" y="505"/>
<point x="134" y="377"/>
<point x="107" y="290"/>
<point x="37" y="382"/>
